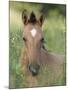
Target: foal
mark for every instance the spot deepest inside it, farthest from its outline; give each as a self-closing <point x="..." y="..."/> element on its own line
<point x="40" y="67"/>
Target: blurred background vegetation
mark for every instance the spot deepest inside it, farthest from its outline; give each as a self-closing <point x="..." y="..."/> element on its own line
<point x="54" y="28"/>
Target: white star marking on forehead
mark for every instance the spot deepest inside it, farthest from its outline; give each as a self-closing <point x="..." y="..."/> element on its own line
<point x="33" y="32"/>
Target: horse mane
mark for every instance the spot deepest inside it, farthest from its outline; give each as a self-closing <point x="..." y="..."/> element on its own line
<point x="32" y="18"/>
<point x="44" y="48"/>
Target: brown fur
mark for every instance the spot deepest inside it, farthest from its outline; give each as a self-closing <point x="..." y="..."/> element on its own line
<point x="55" y="63"/>
<point x="50" y="64"/>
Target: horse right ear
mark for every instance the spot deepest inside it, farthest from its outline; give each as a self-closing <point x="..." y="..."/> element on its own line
<point x="25" y="17"/>
<point x="41" y="19"/>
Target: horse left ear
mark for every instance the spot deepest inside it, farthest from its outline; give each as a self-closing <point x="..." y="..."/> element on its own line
<point x="25" y="17"/>
<point x="41" y="20"/>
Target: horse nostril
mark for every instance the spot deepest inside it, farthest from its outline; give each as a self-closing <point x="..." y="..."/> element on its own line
<point x="34" y="69"/>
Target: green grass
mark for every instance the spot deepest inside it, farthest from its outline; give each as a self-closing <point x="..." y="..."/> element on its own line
<point x="54" y="34"/>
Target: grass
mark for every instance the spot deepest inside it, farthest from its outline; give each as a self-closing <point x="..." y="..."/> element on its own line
<point x="54" y="34"/>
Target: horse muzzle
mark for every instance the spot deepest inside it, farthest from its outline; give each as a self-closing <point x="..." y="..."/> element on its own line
<point x="34" y="69"/>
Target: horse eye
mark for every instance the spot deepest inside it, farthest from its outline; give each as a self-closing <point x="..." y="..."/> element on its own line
<point x="42" y="40"/>
<point x="24" y="38"/>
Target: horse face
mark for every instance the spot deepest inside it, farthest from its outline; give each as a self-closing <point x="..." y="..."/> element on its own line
<point x="33" y="39"/>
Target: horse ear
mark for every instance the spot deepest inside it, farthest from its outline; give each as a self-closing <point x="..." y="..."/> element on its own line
<point x="25" y="17"/>
<point x="41" y="20"/>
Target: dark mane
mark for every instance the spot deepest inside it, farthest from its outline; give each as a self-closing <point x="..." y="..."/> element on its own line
<point x="32" y="18"/>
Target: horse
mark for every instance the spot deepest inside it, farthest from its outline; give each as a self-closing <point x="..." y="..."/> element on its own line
<point x="40" y="67"/>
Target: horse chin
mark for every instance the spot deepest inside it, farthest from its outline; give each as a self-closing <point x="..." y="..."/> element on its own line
<point x="34" y="74"/>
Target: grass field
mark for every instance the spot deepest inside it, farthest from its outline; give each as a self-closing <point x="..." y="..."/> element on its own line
<point x="54" y="28"/>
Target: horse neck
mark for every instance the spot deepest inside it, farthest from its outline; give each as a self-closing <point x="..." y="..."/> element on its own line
<point x="51" y="58"/>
